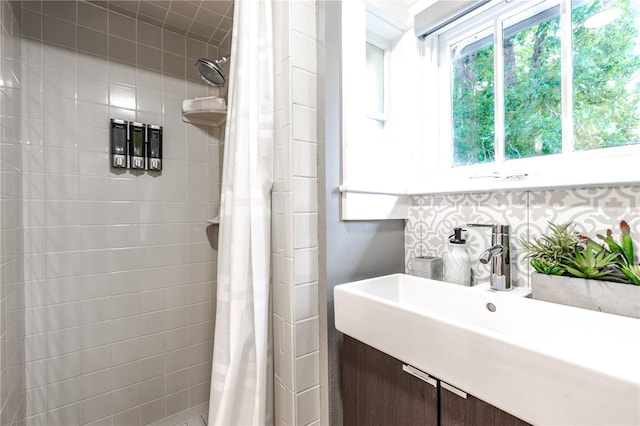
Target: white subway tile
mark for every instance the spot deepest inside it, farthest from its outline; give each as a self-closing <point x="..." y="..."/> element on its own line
<point x="305" y="195"/>
<point x="93" y="213"/>
<point x="93" y="188"/>
<point x="123" y="189"/>
<point x="63" y="393"/>
<point x="307" y="371"/>
<point x="91" y="114"/>
<point x="61" y="290"/>
<point x="93" y="90"/>
<point x="152" y="367"/>
<point x="93" y="262"/>
<point x="95" y="359"/>
<point x="308" y="406"/>
<point x="92" y="163"/>
<point x="304" y="87"/>
<point x="61" y="110"/>
<point x="306" y="265"/>
<point x="307" y="336"/>
<point x="62" y="238"/>
<point x="303" y="52"/>
<point x="305" y="301"/>
<point x="126" y="352"/>
<point x="151" y="212"/>
<point x="67" y="415"/>
<point x="96" y="408"/>
<point x="58" y="135"/>
<point x="305" y="161"/>
<point x="95" y="310"/>
<point x="94" y="237"/>
<point x="303" y="17"/>
<point x="304" y="124"/>
<point x="96" y="383"/>
<point x="289" y="357"/>
<point x="96" y="334"/>
<point x="305" y="228"/>
<point x="62" y="315"/>
<point x="123" y="212"/>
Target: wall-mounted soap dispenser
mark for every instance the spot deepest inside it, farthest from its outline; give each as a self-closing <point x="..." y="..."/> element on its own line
<point x="154" y="147"/>
<point x="137" y="145"/>
<point x="118" y="143"/>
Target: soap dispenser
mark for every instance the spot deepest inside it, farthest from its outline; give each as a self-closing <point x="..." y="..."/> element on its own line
<point x="457" y="263"/>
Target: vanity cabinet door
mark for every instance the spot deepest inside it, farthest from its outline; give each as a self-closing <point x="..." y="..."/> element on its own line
<point x="376" y="390"/>
<point x="457" y="410"/>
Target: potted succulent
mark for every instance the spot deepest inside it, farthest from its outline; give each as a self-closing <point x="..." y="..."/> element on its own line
<point x="573" y="269"/>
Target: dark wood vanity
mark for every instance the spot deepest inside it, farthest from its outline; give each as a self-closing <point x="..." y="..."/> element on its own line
<point x="378" y="391"/>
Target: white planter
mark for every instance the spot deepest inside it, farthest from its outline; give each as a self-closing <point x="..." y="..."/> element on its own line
<point x="603" y="296"/>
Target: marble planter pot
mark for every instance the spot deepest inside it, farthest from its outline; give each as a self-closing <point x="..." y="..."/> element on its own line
<point x="602" y="296"/>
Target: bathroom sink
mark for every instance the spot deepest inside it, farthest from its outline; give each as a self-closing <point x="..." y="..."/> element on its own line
<point x="542" y="362"/>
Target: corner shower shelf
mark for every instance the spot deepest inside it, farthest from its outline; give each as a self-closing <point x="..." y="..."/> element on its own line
<point x="208" y="111"/>
<point x="214" y="221"/>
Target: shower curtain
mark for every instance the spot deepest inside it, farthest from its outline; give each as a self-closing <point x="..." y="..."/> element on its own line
<point x="241" y="377"/>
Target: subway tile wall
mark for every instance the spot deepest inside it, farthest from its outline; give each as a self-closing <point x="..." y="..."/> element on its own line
<point x="593" y="210"/>
<point x="12" y="372"/>
<point x="295" y="217"/>
<point x="119" y="265"/>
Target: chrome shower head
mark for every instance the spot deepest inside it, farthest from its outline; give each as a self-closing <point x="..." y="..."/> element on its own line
<point x="211" y="71"/>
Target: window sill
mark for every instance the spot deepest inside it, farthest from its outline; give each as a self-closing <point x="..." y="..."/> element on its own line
<point x="360" y="203"/>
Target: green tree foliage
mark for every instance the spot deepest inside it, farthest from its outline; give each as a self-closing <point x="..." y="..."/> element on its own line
<point x="606" y="78"/>
<point x="606" y="87"/>
<point x="533" y="104"/>
<point x="473" y="103"/>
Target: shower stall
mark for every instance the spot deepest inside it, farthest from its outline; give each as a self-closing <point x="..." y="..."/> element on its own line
<point x="110" y="319"/>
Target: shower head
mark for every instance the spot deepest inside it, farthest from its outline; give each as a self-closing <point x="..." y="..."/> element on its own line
<point x="211" y="71"/>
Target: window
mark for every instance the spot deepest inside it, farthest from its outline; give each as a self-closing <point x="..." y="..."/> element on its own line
<point x="375" y="85"/>
<point x="523" y="86"/>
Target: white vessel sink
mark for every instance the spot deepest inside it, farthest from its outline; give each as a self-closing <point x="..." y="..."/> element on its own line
<point x="542" y="362"/>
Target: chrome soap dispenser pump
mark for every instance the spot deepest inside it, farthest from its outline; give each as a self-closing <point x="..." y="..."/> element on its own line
<point x="457" y="262"/>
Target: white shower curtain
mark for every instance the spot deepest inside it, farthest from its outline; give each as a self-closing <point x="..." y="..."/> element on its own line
<point x="241" y="377"/>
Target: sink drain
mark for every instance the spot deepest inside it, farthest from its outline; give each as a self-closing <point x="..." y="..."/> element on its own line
<point x="491" y="307"/>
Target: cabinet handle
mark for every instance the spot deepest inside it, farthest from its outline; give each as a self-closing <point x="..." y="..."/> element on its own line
<point x="453" y="389"/>
<point x="419" y="374"/>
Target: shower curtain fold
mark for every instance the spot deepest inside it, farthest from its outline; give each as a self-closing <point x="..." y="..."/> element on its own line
<point x="241" y="377"/>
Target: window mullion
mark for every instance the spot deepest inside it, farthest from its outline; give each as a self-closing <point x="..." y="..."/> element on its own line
<point x="566" y="63"/>
<point x="498" y="87"/>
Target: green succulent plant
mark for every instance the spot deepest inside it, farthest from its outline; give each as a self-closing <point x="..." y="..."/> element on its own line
<point x="592" y="261"/>
<point x="625" y="251"/>
<point x="547" y="252"/>
<point x="632" y="272"/>
<point x="563" y="251"/>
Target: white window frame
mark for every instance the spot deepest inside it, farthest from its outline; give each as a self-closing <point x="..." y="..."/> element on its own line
<point x="596" y="167"/>
<point x="368" y="190"/>
<point x="382" y="117"/>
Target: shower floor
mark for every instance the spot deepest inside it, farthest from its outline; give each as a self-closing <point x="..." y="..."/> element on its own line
<point x="201" y="420"/>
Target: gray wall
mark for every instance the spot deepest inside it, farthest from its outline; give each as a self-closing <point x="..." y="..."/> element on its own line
<point x="349" y="250"/>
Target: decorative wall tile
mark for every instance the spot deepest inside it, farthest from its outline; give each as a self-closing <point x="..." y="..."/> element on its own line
<point x="593" y="210"/>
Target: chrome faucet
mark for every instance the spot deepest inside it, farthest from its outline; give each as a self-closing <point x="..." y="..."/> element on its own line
<point x="499" y="254"/>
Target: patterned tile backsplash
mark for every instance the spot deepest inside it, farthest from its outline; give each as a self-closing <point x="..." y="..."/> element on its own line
<point x="593" y="210"/>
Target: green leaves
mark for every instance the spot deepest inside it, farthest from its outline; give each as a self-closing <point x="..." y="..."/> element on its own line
<point x="591" y="261"/>
<point x="625" y="248"/>
<point x="563" y="251"/>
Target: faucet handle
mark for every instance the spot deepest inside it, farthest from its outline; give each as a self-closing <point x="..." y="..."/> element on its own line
<point x="496" y="229"/>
